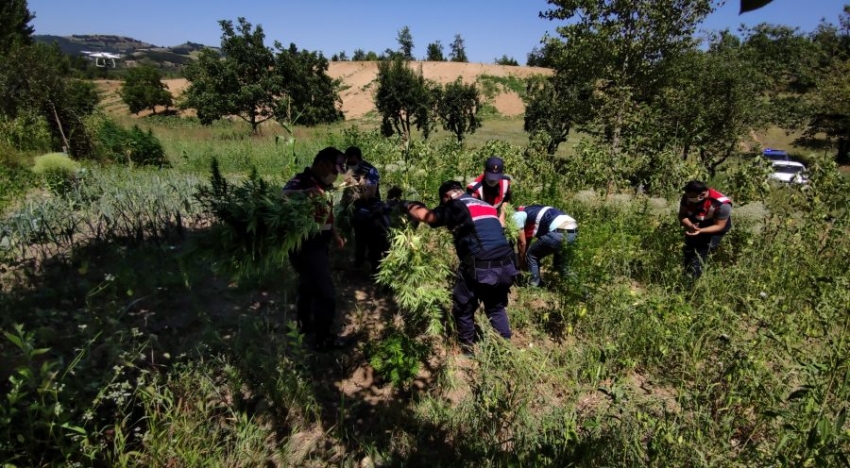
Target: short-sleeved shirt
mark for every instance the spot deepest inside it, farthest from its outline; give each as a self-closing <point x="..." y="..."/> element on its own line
<point x="520" y="217"/>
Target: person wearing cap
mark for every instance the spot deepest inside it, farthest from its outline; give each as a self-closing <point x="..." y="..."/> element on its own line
<point x="486" y="270"/>
<point x="366" y="236"/>
<point x="493" y="186"/>
<point x="551" y="228"/>
<point x="706" y="215"/>
<point x="315" y="302"/>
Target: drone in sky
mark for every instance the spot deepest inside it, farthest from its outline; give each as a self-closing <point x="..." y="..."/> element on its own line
<point x="102" y="59"/>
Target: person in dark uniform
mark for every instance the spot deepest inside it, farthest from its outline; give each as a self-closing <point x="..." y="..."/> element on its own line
<point x="316" y="303"/>
<point x="706" y="215"/>
<point x="486" y="270"/>
<point x="552" y="229"/>
<point x="367" y="239"/>
<point x="493" y="186"/>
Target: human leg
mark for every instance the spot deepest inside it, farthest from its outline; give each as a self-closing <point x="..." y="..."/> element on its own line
<point x="495" y="300"/>
<point x="540" y="248"/>
<point x="464" y="303"/>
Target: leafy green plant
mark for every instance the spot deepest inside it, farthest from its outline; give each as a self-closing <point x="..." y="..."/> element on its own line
<point x="58" y="170"/>
<point x="256" y="227"/>
<point x="33" y="417"/>
<point x="417" y="278"/>
<point x="397" y="357"/>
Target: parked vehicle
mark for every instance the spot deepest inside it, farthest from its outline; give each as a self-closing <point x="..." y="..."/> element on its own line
<point x="776" y="155"/>
<point x="790" y="172"/>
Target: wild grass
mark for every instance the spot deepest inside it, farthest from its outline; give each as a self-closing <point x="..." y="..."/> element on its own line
<point x="122" y="351"/>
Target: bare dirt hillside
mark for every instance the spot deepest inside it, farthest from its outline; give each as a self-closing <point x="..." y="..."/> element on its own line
<point x="358" y="77"/>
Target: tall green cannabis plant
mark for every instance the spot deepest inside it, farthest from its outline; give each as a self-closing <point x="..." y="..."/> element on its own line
<point x="254" y="225"/>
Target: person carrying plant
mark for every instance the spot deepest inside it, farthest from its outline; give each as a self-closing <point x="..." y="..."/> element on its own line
<point x="315" y="302"/>
<point x="367" y="239"/>
<point x="493" y="186"/>
<point x="552" y="229"/>
<point x="486" y="271"/>
<point x="706" y="215"/>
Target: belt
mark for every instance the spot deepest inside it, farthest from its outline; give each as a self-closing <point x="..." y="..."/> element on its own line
<point x="492" y="263"/>
<point x="567" y="231"/>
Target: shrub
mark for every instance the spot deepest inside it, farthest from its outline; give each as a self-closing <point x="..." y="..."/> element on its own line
<point x="28" y="132"/>
<point x="58" y="170"/>
<point x="133" y="146"/>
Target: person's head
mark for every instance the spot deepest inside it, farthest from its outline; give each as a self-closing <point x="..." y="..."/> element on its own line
<point x="328" y="164"/>
<point x="353" y="156"/>
<point x="695" y="191"/>
<point x="494" y="170"/>
<point x="394" y="193"/>
<point x="449" y="190"/>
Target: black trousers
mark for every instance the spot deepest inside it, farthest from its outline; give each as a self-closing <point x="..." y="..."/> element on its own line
<point x="316" y="298"/>
<point x="489" y="285"/>
<point x="370" y="239"/>
<point x="697" y="250"/>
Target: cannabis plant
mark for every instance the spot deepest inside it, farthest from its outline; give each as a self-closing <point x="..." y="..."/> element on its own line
<point x="254" y="225"/>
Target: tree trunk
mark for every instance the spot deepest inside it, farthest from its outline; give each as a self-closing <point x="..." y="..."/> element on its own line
<point x="843" y="155"/>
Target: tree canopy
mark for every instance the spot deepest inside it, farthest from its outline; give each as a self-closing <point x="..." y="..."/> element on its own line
<point x="143" y="89"/>
<point x="256" y="83"/>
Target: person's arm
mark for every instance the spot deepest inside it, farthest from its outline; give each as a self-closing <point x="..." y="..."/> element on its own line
<point x="289" y="190"/>
<point x="421" y="213"/>
<point x="685" y="221"/>
<point x="721" y="219"/>
<point x="522" y="248"/>
<point x="340" y="241"/>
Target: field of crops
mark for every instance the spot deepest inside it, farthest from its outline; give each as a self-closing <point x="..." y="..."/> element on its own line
<point x="125" y="344"/>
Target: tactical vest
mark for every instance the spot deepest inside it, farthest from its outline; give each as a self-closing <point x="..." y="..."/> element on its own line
<point x="702" y="213"/>
<point x="539" y="219"/>
<point x="477" y="189"/>
<point x="484" y="235"/>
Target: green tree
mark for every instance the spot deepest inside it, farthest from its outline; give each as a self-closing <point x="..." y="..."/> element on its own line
<point x="505" y="60"/>
<point x="457" y="108"/>
<point x="37" y="78"/>
<point x="309" y="96"/>
<point x="620" y="49"/>
<point x="254" y="83"/>
<point x="358" y="56"/>
<point x="404" y="99"/>
<point x="15" y="27"/>
<point x="552" y="105"/>
<point x="435" y="52"/>
<point x="829" y="108"/>
<point x="714" y="102"/>
<point x="143" y="89"/>
<point x="405" y="43"/>
<point x="457" y="50"/>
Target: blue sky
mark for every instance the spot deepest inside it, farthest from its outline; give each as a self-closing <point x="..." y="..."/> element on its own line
<point x="489" y="28"/>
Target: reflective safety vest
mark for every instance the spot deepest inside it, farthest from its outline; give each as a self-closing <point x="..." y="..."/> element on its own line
<point x="486" y="233"/>
<point x="702" y="213"/>
<point x="539" y="219"/>
<point x="477" y="190"/>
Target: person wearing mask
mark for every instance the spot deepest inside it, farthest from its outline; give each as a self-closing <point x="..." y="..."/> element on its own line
<point x="551" y="230"/>
<point x="486" y="271"/>
<point x="706" y="215"/>
<point x="315" y="302"/>
<point x="493" y="186"/>
<point x="366" y="202"/>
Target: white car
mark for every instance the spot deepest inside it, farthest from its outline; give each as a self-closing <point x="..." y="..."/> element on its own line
<point x="790" y="172"/>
